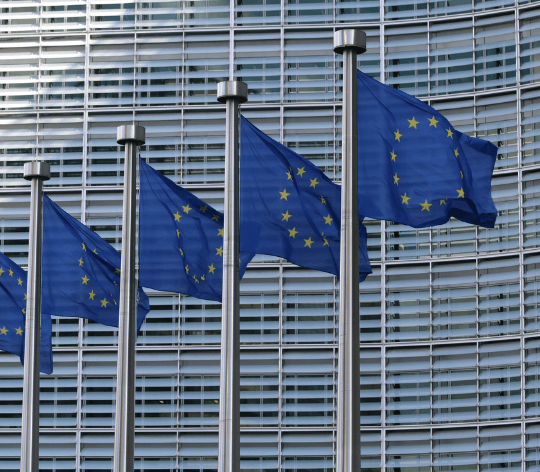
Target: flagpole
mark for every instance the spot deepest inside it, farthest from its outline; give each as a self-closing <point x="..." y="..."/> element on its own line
<point x="349" y="42"/>
<point x="232" y="93"/>
<point x="124" y="422"/>
<point x="37" y="172"/>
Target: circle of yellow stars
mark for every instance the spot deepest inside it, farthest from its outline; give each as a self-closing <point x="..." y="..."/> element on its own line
<point x="300" y="171"/>
<point x="18" y="331"/>
<point x="219" y="250"/>
<point x="413" y="123"/>
<point x="85" y="279"/>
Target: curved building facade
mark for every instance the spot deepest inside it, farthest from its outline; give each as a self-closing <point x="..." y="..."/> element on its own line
<point x="450" y="317"/>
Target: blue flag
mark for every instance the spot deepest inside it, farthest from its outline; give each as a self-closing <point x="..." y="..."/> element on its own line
<point x="288" y="207"/>
<point x="180" y="240"/>
<point x="414" y="168"/>
<point x="81" y="271"/>
<point x="12" y="315"/>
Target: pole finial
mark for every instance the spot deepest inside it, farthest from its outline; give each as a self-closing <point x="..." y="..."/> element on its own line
<point x="130" y="134"/>
<point x="232" y="89"/>
<point x="39" y="169"/>
<point x="354" y="39"/>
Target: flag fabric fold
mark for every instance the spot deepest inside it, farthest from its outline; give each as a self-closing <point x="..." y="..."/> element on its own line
<point x="180" y="239"/>
<point x="288" y="207"/>
<point x="81" y="271"/>
<point x="12" y="315"/>
<point x="414" y="168"/>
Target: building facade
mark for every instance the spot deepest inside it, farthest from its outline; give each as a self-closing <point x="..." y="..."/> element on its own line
<point x="450" y="317"/>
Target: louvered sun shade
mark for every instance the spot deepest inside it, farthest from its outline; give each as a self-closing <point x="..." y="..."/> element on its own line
<point x="530" y="130"/>
<point x="258" y="12"/>
<point x="158" y="73"/>
<point x="258" y="65"/>
<point x="407" y="58"/>
<point x="308" y="65"/>
<point x="206" y="60"/>
<point x="451" y="53"/>
<point x="466" y="382"/>
<point x="495" y="52"/>
<point x="529" y="37"/>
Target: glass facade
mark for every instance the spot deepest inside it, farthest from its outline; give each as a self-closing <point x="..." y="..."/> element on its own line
<point x="450" y="317"/>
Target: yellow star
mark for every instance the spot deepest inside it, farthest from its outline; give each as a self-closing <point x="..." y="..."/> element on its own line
<point x="94" y="251"/>
<point x="323" y="200"/>
<point x="24" y="310"/>
<point x="220" y="232"/>
<point x="203" y="278"/>
<point x="396" y="178"/>
<point x="432" y="122"/>
<point x="286" y="216"/>
<point x="1" y="270"/>
<point x="25" y="296"/>
<point x="292" y="233"/>
<point x="187" y="269"/>
<point x="115" y="301"/>
<point x="456" y="153"/>
<point x="177" y="233"/>
<point x="186" y="208"/>
<point x="405" y="199"/>
<point x="450" y="133"/>
<point x="81" y="262"/>
<point x="19" y="281"/>
<point x="425" y="205"/>
<point x="284" y="194"/>
<point x="211" y="268"/>
<point x="313" y="182"/>
<point x="442" y="201"/>
<point x="325" y="241"/>
<point x="19" y="331"/>
<point x="216" y="217"/>
<point x="461" y="193"/>
<point x="117" y="271"/>
<point x="104" y="303"/>
<point x="91" y="295"/>
<point x="328" y="220"/>
<point x="308" y="242"/>
<point x="219" y="251"/>
<point x="301" y="171"/>
<point x="397" y="135"/>
<point x="394" y="155"/>
<point x="289" y="176"/>
<point x="204" y="208"/>
<point x="10" y="273"/>
<point x="4" y="331"/>
<point x="85" y="280"/>
<point x="413" y="123"/>
<point x="83" y="247"/>
<point x="177" y="216"/>
<point x="181" y="252"/>
<point x="461" y="172"/>
<point x="195" y="278"/>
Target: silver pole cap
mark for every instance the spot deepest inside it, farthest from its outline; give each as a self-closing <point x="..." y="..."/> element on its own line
<point x="354" y="39"/>
<point x="39" y="169"/>
<point x="130" y="134"/>
<point x="233" y="89"/>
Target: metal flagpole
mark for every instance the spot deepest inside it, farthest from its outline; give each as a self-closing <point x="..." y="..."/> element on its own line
<point x="124" y="422"/>
<point x="37" y="172"/>
<point x="349" y="42"/>
<point x="232" y="93"/>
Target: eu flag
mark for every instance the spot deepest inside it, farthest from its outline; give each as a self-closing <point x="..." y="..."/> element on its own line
<point x="414" y="168"/>
<point x="12" y="315"/>
<point x="288" y="207"/>
<point x="81" y="271"/>
<point x="180" y="240"/>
